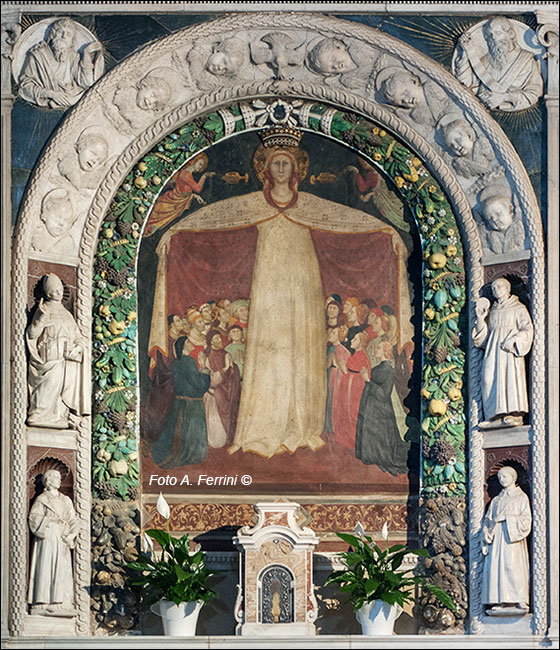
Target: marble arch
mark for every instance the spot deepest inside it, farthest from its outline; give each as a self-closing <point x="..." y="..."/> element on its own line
<point x="189" y="101"/>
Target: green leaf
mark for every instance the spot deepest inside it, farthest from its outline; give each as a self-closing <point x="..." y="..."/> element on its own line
<point x="442" y="595"/>
<point x="162" y="537"/>
<point x="350" y="539"/>
<point x="371" y="586"/>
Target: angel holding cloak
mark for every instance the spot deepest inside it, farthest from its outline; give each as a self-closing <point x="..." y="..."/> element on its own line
<point x="283" y="397"/>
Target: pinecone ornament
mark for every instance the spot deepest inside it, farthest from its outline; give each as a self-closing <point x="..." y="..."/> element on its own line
<point x="443" y="451"/>
<point x="441" y="354"/>
<point x="112" y="276"/>
<point x="102" y="264"/>
<point x="133" y="493"/>
<point x="119" y="421"/>
<point x="123" y="228"/>
<point x="105" y="490"/>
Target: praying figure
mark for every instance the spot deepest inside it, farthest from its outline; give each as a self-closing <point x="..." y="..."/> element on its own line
<point x="505" y="577"/>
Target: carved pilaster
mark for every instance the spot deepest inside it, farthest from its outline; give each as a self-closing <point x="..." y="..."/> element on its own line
<point x="549" y="37"/>
<point x="443" y="532"/>
<point x="10" y="33"/>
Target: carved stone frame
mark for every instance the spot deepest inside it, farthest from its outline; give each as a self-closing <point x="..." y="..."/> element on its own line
<point x="339" y="96"/>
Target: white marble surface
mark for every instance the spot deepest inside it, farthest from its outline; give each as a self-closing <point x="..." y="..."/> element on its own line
<point x="335" y="641"/>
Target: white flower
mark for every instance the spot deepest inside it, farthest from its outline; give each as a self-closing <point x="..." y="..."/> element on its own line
<point x="359" y="529"/>
<point x="163" y="507"/>
<point x="195" y="550"/>
<point x="147" y="544"/>
<point x="385" y="532"/>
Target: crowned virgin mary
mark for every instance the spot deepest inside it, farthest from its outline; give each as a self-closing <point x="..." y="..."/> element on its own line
<point x="284" y="388"/>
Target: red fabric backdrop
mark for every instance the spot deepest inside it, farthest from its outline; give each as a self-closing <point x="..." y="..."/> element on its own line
<point x="213" y="265"/>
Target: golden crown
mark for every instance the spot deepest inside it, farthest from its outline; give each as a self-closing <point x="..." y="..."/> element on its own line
<point x="280" y="136"/>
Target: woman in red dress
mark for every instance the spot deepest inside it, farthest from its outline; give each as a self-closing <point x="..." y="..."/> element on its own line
<point x="348" y="393"/>
<point x="222" y="400"/>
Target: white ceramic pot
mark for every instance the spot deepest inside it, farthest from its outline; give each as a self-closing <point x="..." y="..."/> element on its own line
<point x="378" y="617"/>
<point x="178" y="620"/>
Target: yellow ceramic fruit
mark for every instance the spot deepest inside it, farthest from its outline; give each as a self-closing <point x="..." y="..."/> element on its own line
<point x="437" y="407"/>
<point x="140" y="182"/>
<point x="437" y="260"/>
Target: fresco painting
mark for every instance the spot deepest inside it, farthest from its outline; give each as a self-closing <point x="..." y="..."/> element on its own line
<point x="276" y="321"/>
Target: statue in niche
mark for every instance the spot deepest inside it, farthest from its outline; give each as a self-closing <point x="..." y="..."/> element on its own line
<point x="490" y="61"/>
<point x="57" y="382"/>
<point x="277" y="595"/>
<point x="335" y="60"/>
<point x="505" y="577"/>
<point x="419" y="103"/>
<point x="53" y="235"/>
<point x="212" y="65"/>
<point x="279" y="52"/>
<point x="501" y="230"/>
<point x="86" y="169"/>
<point x="57" y="70"/>
<point x="505" y="332"/>
<point x="139" y="104"/>
<point x="55" y="526"/>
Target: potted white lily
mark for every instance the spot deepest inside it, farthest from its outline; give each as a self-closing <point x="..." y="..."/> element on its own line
<point x="377" y="586"/>
<point x="173" y="580"/>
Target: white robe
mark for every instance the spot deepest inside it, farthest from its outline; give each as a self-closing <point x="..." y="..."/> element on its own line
<point x="56" y="383"/>
<point x="504" y="384"/>
<point x="505" y="577"/>
<point x="51" y="518"/>
<point x="284" y="388"/>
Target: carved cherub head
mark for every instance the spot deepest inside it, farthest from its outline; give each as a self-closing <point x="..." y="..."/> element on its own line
<point x="497" y="211"/>
<point x="400" y="87"/>
<point x="153" y="91"/>
<point x="92" y="149"/>
<point x="330" y="57"/>
<point x="57" y="212"/>
<point x="227" y="58"/>
<point x="459" y="137"/>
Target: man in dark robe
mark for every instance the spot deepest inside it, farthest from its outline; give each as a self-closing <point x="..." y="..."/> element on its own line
<point x="184" y="439"/>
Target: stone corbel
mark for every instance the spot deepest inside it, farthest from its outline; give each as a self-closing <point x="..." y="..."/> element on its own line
<point x="547" y="33"/>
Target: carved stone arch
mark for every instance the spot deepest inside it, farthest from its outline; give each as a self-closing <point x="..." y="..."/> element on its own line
<point x="190" y="103"/>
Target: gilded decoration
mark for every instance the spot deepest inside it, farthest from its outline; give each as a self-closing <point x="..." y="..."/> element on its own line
<point x="324" y="518"/>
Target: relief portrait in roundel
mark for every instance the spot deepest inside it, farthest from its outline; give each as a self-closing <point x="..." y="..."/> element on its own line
<point x="276" y="319"/>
